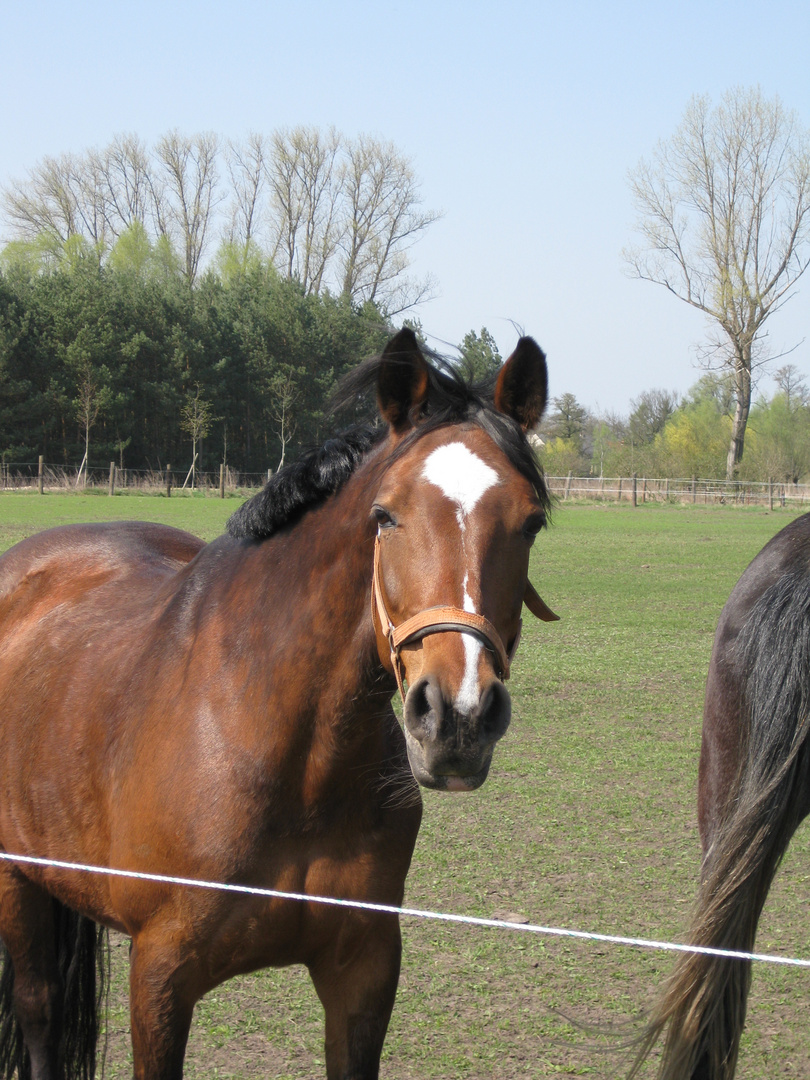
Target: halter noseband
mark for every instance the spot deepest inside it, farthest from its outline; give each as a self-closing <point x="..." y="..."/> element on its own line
<point x="437" y="620"/>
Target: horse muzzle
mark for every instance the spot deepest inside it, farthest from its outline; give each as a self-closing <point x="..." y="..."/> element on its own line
<point x="450" y="741"/>
<point x="451" y="749"/>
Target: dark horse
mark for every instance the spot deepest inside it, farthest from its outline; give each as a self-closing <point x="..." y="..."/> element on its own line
<point x="753" y="791"/>
<point x="223" y="712"/>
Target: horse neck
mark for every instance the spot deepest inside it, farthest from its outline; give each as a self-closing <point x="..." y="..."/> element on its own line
<point x="323" y="566"/>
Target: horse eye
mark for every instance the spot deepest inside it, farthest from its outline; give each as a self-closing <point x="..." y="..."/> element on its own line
<point x="382" y="517"/>
<point x="533" y="525"/>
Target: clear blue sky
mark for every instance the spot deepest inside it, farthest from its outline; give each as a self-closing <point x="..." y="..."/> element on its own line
<point x="522" y="120"/>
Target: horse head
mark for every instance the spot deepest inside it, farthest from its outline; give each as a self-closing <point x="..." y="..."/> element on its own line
<point x="458" y="507"/>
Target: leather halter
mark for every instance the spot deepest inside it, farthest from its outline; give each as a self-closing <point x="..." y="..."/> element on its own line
<point x="437" y="620"/>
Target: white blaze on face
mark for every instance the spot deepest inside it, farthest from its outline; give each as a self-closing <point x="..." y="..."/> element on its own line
<point x="460" y="475"/>
<point x="463" y="478"/>
<point x="468" y="692"/>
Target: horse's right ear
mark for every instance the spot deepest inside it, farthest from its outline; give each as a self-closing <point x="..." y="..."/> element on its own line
<point x="522" y="387"/>
<point x="402" y="381"/>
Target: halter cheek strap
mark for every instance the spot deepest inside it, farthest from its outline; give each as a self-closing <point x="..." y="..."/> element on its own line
<point x="437" y="620"/>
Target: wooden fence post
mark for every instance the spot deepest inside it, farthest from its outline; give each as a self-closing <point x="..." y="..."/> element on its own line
<point x="568" y="485"/>
<point x="619" y="492"/>
<point x="112" y="478"/>
<point x="168" y="481"/>
<point x="222" y="481"/>
<point x="41" y="475"/>
<point x="635" y="489"/>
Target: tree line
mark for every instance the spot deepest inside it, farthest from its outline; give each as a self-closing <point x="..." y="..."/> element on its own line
<point x="333" y="212"/>
<point x="123" y="361"/>
<point x="201" y="295"/>
<point x="117" y="321"/>
<point x="667" y="436"/>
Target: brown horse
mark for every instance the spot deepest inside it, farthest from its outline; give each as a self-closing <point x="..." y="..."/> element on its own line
<point x="753" y="791"/>
<point x="223" y="712"/>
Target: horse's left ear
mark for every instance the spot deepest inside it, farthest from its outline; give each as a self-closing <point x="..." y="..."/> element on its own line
<point x="522" y="387"/>
<point x="402" y="381"/>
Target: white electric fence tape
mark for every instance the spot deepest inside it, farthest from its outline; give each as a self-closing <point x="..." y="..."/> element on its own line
<point x="417" y="913"/>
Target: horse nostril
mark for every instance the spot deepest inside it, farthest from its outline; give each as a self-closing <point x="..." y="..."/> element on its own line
<point x="424" y="708"/>
<point x="429" y="718"/>
<point x="494" y="712"/>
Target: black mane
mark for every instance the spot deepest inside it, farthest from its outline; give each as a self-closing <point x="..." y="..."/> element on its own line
<point x="321" y="472"/>
<point x="304" y="483"/>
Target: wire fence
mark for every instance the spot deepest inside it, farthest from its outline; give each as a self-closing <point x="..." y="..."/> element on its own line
<point x="640" y="489"/>
<point x="41" y="476"/>
<point x="636" y="490"/>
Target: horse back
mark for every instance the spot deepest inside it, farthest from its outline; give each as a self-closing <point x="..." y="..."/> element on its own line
<point x="64" y="565"/>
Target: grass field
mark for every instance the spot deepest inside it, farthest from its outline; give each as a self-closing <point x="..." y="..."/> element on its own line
<point x="587" y="822"/>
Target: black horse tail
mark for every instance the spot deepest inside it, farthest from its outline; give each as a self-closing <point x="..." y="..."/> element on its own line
<point x="703" y="1005"/>
<point x="83" y="959"/>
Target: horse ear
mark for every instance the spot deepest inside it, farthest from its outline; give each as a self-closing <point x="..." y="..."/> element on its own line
<point x="522" y="387"/>
<point x="402" y="381"/>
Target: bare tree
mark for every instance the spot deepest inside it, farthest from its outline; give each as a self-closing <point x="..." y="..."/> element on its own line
<point x="190" y="168"/>
<point x="86" y="183"/>
<point x="793" y="385"/>
<point x="286" y="396"/>
<point x="305" y="182"/>
<point x="96" y="196"/>
<point x="90" y="401"/>
<point x="724" y="215"/>
<point x="196" y="418"/>
<point x="382" y="220"/>
<point x="61" y="198"/>
<point x="124" y="169"/>
<point x="247" y="165"/>
<point x="651" y="411"/>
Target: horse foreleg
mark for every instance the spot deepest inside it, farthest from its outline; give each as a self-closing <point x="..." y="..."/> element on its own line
<point x="356" y="980"/>
<point x="161" y="1007"/>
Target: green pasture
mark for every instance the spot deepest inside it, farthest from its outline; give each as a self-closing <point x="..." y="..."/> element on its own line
<point x="587" y="822"/>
